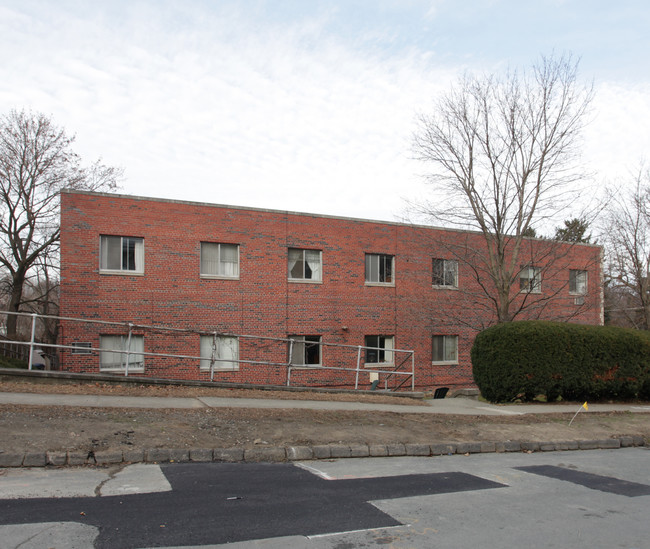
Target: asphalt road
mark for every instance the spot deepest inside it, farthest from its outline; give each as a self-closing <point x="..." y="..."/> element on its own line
<point x="595" y="499"/>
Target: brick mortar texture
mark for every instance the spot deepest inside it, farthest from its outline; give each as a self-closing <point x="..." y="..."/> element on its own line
<point x="342" y="308"/>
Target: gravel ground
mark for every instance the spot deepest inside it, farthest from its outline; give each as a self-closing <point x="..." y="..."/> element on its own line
<point x="65" y="428"/>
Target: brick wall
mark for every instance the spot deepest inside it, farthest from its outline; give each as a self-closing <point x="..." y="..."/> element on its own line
<point x="341" y="308"/>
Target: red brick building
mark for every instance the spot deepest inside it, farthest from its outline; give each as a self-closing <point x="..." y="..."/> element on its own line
<point x="343" y="290"/>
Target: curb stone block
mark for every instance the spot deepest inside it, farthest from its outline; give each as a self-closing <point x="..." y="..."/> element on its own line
<point x="396" y="449"/>
<point x="156" y="455"/>
<point x="418" y="449"/>
<point x="572" y="445"/>
<point x="35" y="459"/>
<point x="201" y="454"/>
<point x="378" y="450"/>
<point x="11" y="460"/>
<point x="359" y="450"/>
<point x="439" y="449"/>
<point x="178" y="455"/>
<point x="322" y="452"/>
<point x="626" y="442"/>
<point x="228" y="454"/>
<point x="487" y="447"/>
<point x="268" y="453"/>
<point x="106" y="457"/>
<point x="512" y="446"/>
<point x="638" y="441"/>
<point x="530" y="446"/>
<point x="299" y="453"/>
<point x="78" y="458"/>
<point x="340" y="451"/>
<point x="609" y="443"/>
<point x="548" y="447"/>
<point x="468" y="448"/>
<point x="133" y="456"/>
<point x="588" y="444"/>
<point x="57" y="458"/>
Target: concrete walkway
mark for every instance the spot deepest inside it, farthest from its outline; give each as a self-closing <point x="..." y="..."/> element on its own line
<point x="461" y="406"/>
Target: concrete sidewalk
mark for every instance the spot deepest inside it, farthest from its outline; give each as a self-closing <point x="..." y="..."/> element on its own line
<point x="459" y="406"/>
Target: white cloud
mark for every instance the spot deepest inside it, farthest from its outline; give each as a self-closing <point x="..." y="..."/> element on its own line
<point x="219" y="104"/>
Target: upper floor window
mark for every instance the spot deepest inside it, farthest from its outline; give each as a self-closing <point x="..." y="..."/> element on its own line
<point x="219" y="260"/>
<point x="530" y="280"/>
<point x="305" y="264"/>
<point x="121" y="254"/>
<point x="379" y="349"/>
<point x="577" y="282"/>
<point x="444" y="348"/>
<point x="380" y="269"/>
<point x="445" y="273"/>
<point x="219" y="352"/>
<point x="114" y="354"/>
<point x="305" y="350"/>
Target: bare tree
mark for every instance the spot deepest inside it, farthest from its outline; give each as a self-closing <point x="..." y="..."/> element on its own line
<point x="504" y="153"/>
<point x="36" y="162"/>
<point x="627" y="237"/>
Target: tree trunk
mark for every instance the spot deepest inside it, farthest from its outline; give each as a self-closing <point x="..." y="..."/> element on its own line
<point x="17" y="284"/>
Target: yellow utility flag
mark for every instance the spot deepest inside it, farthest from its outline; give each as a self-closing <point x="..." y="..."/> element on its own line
<point x="581" y="407"/>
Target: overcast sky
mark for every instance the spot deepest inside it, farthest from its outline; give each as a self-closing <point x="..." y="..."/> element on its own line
<point x="302" y="105"/>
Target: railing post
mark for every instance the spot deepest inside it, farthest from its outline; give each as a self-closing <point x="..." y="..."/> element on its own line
<point x="31" y="341"/>
<point x="412" y="371"/>
<point x="128" y="351"/>
<point x="356" y="381"/>
<point x="213" y="355"/>
<point x="289" y="362"/>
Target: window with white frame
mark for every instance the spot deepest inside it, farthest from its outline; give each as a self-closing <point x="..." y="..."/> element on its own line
<point x="219" y="260"/>
<point x="305" y="264"/>
<point x="379" y="349"/>
<point x="444" y="348"/>
<point x="114" y="354"/>
<point x="380" y="269"/>
<point x="305" y="350"/>
<point x="445" y="273"/>
<point x="530" y="280"/>
<point x="577" y="282"/>
<point x="219" y="352"/>
<point x="123" y="254"/>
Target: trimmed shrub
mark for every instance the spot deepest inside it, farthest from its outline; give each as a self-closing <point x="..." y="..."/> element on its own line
<point x="523" y="360"/>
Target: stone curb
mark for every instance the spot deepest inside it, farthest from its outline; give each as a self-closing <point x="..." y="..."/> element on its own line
<point x="303" y="453"/>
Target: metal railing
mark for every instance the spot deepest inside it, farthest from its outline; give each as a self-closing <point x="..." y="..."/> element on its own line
<point x="355" y="367"/>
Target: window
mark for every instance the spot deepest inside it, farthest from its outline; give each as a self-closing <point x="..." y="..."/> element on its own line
<point x="444" y="349"/>
<point x="115" y="355"/>
<point x="219" y="260"/>
<point x="305" y="350"/>
<point x="219" y="352"/>
<point x="577" y="282"/>
<point x="304" y="264"/>
<point x="445" y="273"/>
<point x="379" y="268"/>
<point x="379" y="349"/>
<point x="121" y="254"/>
<point x="530" y="280"/>
<point x="81" y="348"/>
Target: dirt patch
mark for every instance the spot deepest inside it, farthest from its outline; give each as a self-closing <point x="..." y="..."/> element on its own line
<point x="60" y="428"/>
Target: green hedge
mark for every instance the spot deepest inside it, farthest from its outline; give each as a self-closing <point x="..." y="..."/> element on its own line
<point x="6" y="362"/>
<point x="523" y="360"/>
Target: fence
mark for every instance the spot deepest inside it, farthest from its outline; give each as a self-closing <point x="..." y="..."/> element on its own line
<point x="88" y="345"/>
